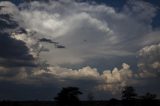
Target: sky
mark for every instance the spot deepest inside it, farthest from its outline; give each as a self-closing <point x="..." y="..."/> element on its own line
<point x="99" y="46"/>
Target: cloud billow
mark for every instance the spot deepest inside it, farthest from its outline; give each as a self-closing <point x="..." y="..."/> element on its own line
<point x="14" y="53"/>
<point x="88" y="30"/>
<point x="150" y="57"/>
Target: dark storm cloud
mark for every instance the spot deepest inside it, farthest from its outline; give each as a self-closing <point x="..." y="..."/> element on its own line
<point x="47" y="40"/>
<point x="16" y="63"/>
<point x="6" y="22"/>
<point x="13" y="49"/>
<point x="56" y="44"/>
<point x="12" y="52"/>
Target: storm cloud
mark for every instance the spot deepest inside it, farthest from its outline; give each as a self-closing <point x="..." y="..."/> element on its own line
<point x="90" y="30"/>
<point x="87" y="32"/>
<point x="13" y="52"/>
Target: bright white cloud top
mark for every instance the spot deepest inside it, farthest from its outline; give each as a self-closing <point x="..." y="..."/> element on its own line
<point x="89" y="30"/>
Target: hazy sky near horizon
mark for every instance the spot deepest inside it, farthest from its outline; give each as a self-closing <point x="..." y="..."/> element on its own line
<point x="99" y="46"/>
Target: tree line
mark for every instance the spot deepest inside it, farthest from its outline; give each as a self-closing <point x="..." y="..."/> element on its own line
<point x="69" y="96"/>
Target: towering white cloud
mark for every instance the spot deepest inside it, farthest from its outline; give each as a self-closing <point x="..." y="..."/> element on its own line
<point x="88" y="30"/>
<point x="150" y="57"/>
<point x="107" y="81"/>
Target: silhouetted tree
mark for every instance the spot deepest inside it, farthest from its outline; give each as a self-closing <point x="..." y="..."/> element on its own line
<point x="128" y="93"/>
<point x="113" y="102"/>
<point x="149" y="96"/>
<point x="68" y="97"/>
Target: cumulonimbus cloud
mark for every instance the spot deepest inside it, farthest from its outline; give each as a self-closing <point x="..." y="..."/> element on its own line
<point x="88" y="31"/>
